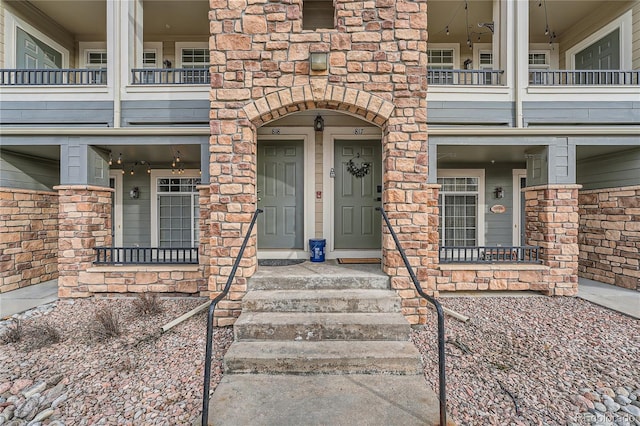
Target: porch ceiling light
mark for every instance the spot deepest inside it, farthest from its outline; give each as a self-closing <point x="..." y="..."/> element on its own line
<point x="318" y="61"/>
<point x="318" y="124"/>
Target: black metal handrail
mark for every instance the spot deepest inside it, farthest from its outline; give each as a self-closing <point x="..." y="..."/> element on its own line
<point x="146" y="255"/>
<point x="490" y="254"/>
<point x="212" y="308"/>
<point x="439" y="311"/>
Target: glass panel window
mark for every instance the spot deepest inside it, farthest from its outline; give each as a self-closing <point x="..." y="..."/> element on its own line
<point x="178" y="212"/>
<point x="196" y="59"/>
<point x="440" y="60"/>
<point x="97" y="59"/>
<point x="539" y="60"/>
<point x="458" y="202"/>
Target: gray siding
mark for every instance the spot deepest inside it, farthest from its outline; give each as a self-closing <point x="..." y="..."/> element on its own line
<point x="483" y="113"/>
<point x="610" y="171"/>
<point x="186" y="113"/>
<point x="136" y="224"/>
<point x="20" y="171"/>
<point x="498" y="226"/>
<point x="97" y="167"/>
<point x="80" y="113"/>
<point x="570" y="113"/>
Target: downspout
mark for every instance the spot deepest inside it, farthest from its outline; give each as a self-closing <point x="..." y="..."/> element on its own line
<point x="521" y="31"/>
<point x="117" y="113"/>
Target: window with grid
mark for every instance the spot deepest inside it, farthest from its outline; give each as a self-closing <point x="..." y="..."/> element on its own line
<point x="196" y="59"/>
<point x="178" y="212"/>
<point x="458" y="202"/>
<point x="97" y="60"/>
<point x="440" y="60"/>
<point x="538" y="61"/>
<point x="149" y="60"/>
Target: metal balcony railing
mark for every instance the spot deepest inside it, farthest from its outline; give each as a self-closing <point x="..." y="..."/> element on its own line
<point x="584" y="77"/>
<point x="57" y="77"/>
<point x="146" y="255"/>
<point x="490" y="254"/>
<point x="147" y="76"/>
<point x="465" y="77"/>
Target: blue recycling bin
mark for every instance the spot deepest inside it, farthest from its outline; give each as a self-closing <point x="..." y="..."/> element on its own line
<point x="316" y="249"/>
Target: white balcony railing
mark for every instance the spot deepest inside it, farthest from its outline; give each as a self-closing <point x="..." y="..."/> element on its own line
<point x="465" y="77"/>
<point x="584" y="77"/>
<point x="58" y="77"/>
<point x="146" y="76"/>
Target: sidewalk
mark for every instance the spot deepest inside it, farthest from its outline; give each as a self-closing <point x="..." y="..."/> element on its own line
<point x="615" y="298"/>
<point x="23" y="299"/>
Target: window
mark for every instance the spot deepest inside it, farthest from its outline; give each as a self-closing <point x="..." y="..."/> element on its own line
<point x="442" y="60"/>
<point x="461" y="202"/>
<point x="178" y="212"/>
<point x="539" y="60"/>
<point x="149" y="60"/>
<point x="486" y="60"/>
<point x="196" y="59"/>
<point x="317" y="14"/>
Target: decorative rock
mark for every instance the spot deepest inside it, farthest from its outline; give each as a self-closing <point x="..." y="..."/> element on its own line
<point x="20" y="384"/>
<point x="43" y="415"/>
<point x="631" y="409"/>
<point x="59" y="400"/>
<point x="5" y="387"/>
<point x="16" y="422"/>
<point x="600" y="407"/>
<point x="611" y="405"/>
<point x="29" y="409"/>
<point x="8" y="412"/>
<point x="37" y="388"/>
<point x="607" y="391"/>
<point x="622" y="391"/>
<point x="622" y="400"/>
<point x="52" y="394"/>
<point x="583" y="403"/>
<point x="635" y="403"/>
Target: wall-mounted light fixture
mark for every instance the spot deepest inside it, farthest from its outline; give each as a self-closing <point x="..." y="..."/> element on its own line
<point x="134" y="193"/>
<point x="318" y="61"/>
<point x="498" y="192"/>
<point x="318" y="123"/>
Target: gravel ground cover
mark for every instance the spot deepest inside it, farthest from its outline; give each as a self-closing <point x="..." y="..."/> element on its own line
<point x="558" y="360"/>
<point x="139" y="377"/>
<point x="536" y="361"/>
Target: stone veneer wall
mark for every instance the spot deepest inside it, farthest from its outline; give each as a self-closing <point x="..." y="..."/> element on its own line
<point x="609" y="236"/>
<point x="84" y="222"/>
<point x="493" y="277"/>
<point x="260" y="72"/>
<point x="29" y="242"/>
<point x="173" y="279"/>
<point x="552" y="223"/>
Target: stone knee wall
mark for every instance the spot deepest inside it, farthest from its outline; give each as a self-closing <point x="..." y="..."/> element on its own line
<point x="173" y="279"/>
<point x="493" y="277"/>
<point x="28" y="237"/>
<point x="609" y="236"/>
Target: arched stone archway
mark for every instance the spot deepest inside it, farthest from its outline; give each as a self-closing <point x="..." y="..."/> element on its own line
<point x="260" y="72"/>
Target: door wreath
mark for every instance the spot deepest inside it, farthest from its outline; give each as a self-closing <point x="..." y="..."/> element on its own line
<point x="358" y="171"/>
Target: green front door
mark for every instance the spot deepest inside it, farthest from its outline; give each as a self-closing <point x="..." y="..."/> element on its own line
<point x="281" y="194"/>
<point x="358" y="191"/>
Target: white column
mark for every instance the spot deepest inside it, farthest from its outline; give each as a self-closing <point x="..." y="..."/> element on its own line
<point x="113" y="57"/>
<point x="521" y="59"/>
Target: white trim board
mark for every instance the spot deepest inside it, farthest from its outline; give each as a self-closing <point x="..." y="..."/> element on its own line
<point x="517" y="208"/>
<point x="307" y="135"/>
<point x="117" y="221"/>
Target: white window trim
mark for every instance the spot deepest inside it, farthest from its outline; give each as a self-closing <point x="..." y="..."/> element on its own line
<point x="155" y="46"/>
<point x="517" y="207"/>
<point x="117" y="223"/>
<point x="12" y="23"/>
<point x="482" y="206"/>
<point x="477" y="49"/>
<point x="187" y="45"/>
<point x="448" y="46"/>
<point x="306" y="134"/>
<point x="163" y="173"/>
<point x="86" y="47"/>
<point x="624" y="23"/>
<point x="551" y="51"/>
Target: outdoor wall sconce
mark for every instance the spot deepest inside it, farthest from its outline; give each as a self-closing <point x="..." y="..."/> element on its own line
<point x="134" y="193"/>
<point x="318" y="124"/>
<point x="499" y="192"/>
<point x="318" y="61"/>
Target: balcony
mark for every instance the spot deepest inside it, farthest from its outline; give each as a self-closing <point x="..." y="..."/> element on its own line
<point x="53" y="77"/>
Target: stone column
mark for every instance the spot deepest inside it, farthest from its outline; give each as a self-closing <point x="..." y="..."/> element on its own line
<point x="552" y="223"/>
<point x="204" y="245"/>
<point x="84" y="222"/>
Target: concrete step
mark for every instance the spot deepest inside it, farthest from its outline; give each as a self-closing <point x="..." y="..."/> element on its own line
<point x="321" y="301"/>
<point x="337" y="357"/>
<point x="320" y="326"/>
<point x="315" y="282"/>
<point x="282" y="400"/>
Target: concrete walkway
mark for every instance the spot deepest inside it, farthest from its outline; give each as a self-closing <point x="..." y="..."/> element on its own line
<point x="615" y="298"/>
<point x="23" y="299"/>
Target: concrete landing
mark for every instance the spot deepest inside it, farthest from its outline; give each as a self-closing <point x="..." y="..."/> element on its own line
<point x="23" y="299"/>
<point x="615" y="298"/>
<point x="323" y="400"/>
